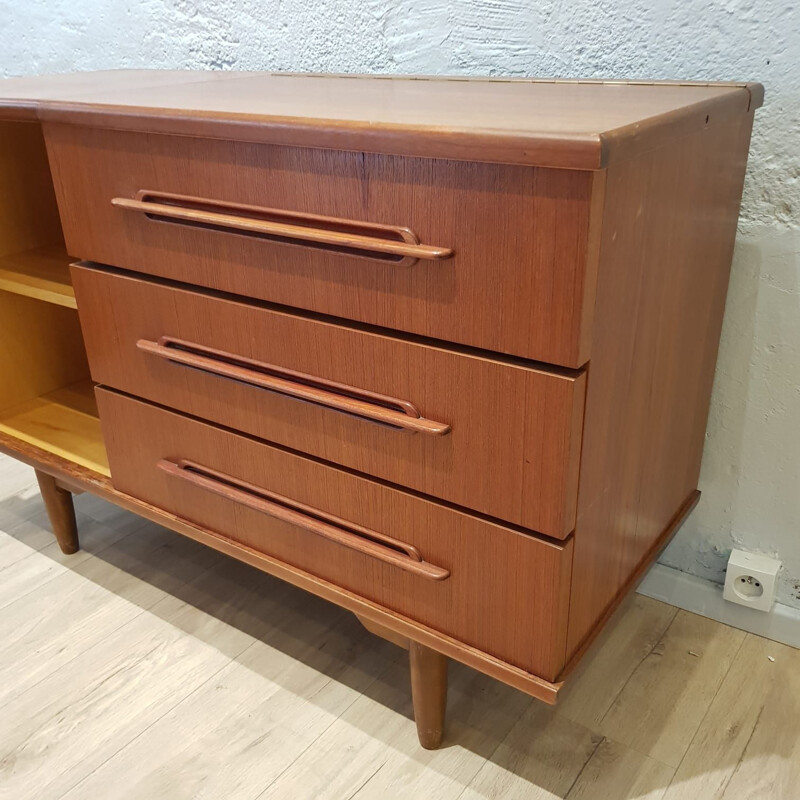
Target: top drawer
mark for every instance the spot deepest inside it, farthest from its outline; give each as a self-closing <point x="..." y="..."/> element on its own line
<point x="487" y="255"/>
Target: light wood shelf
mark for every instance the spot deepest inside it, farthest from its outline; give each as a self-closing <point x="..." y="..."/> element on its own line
<point x="64" y="422"/>
<point x="41" y="273"/>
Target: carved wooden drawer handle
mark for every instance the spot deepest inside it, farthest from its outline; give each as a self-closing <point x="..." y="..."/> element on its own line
<point x="348" y="399"/>
<point x="371" y="543"/>
<point x="382" y="242"/>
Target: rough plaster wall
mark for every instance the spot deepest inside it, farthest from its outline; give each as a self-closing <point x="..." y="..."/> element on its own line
<point x="751" y="477"/>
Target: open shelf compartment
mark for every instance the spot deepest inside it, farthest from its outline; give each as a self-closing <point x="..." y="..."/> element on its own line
<point x="63" y="422"/>
<point x="41" y="273"/>
<point x="46" y="394"/>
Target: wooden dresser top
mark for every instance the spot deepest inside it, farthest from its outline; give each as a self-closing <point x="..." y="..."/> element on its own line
<point x="571" y="124"/>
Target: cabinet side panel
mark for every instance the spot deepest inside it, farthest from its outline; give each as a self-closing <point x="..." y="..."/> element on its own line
<point x="668" y="233"/>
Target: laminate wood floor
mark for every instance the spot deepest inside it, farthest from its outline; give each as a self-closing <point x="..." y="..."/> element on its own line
<point x="147" y="666"/>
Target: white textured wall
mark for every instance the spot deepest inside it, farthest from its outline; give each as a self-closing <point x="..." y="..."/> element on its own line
<point x="751" y="472"/>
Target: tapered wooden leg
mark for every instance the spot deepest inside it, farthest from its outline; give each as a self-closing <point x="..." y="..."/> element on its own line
<point x="429" y="693"/>
<point x="61" y="512"/>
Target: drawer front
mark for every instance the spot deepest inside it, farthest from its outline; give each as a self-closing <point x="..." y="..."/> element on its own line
<point x="487" y="255"/>
<point x="493" y="588"/>
<point x="496" y="437"/>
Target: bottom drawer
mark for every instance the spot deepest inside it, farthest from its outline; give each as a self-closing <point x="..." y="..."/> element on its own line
<point x="491" y="587"/>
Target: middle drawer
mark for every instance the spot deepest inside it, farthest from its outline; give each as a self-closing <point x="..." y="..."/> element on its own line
<point x="495" y="436"/>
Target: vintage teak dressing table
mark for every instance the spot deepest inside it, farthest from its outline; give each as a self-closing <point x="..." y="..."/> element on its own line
<point x="439" y="351"/>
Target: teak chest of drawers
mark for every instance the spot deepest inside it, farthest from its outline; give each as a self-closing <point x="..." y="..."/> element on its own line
<point x="439" y="351"/>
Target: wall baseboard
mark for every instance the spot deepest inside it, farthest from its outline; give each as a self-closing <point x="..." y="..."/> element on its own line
<point x="703" y="597"/>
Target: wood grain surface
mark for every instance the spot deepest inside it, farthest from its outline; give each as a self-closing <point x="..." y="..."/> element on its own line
<point x="506" y="590"/>
<point x="61" y="512"/>
<point x="668" y="232"/>
<point x="457" y="243"/>
<point x="63" y="422"/>
<point x="41" y="273"/>
<point x="516" y="282"/>
<point x="569" y="124"/>
<point x="429" y="693"/>
<point x="28" y="210"/>
<point x="514" y="441"/>
<point x="41" y="349"/>
<point x="77" y="478"/>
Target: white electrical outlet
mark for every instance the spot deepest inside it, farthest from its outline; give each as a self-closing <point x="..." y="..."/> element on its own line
<point x="751" y="580"/>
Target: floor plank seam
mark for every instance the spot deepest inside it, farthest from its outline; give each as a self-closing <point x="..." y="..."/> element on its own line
<point x="142" y="610"/>
<point x="358" y="790"/>
<point x="33" y="550"/>
<point x="77" y="654"/>
<point x="358" y="696"/>
<point x="27" y="689"/>
<point x="583" y="768"/>
<point x="353" y="727"/>
<point x="288" y="766"/>
<point x="490" y="757"/>
<point x="148" y="727"/>
<point x="30" y="591"/>
<point x="639" y="663"/>
<point x="739" y="763"/>
<point x="65" y="564"/>
<point x="231" y="660"/>
<point x="707" y="712"/>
